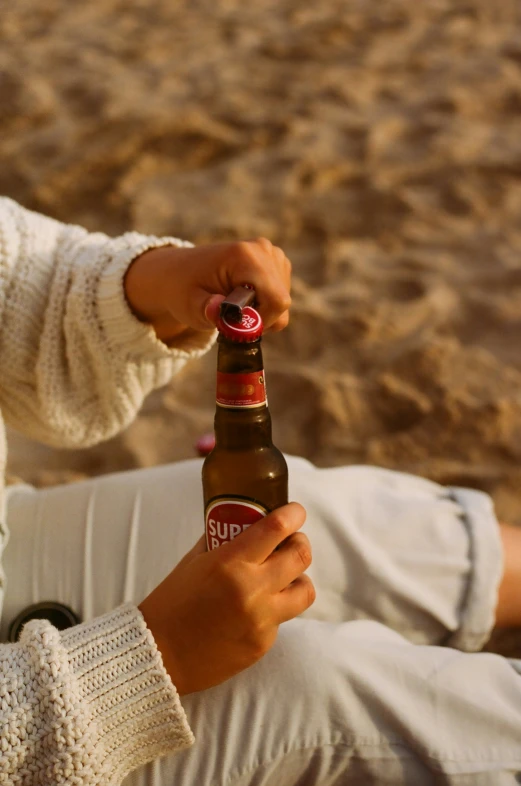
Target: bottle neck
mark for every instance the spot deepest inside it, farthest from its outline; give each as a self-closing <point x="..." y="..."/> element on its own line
<point x="234" y="357"/>
<point x="242" y="420"/>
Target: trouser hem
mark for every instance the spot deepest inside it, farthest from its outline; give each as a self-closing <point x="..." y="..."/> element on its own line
<point x="479" y="608"/>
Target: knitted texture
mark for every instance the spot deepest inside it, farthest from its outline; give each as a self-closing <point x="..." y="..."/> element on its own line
<point x="90" y="704"/>
<point x="86" y="706"/>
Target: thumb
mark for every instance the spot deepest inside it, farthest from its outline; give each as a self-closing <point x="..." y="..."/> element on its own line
<point x="211" y="308"/>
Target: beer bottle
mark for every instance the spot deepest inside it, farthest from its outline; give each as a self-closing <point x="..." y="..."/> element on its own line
<point x="245" y="476"/>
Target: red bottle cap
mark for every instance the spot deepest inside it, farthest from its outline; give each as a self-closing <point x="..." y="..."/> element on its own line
<point x="248" y="329"/>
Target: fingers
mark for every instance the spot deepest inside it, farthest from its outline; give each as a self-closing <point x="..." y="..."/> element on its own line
<point x="280" y="323"/>
<point x="259" y="541"/>
<point x="295" y="599"/>
<point x="289" y="561"/>
<point x="212" y="310"/>
<point x="268" y="270"/>
<point x="213" y="271"/>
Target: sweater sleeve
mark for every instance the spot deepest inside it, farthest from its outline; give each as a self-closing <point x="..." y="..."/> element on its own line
<point x="88" y="705"/>
<point x="76" y="363"/>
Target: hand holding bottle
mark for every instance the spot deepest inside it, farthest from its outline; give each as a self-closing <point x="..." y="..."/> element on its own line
<point x="176" y="289"/>
<point x="218" y="612"/>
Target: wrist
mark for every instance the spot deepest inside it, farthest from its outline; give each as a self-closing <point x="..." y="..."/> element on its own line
<point x="146" y="293"/>
<point x="151" y="616"/>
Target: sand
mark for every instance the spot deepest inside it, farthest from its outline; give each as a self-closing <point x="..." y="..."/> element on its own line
<point x="378" y="143"/>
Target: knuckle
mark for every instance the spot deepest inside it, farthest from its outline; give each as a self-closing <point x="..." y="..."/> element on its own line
<point x="225" y="560"/>
<point x="280" y="256"/>
<point x="234" y="581"/>
<point x="243" y="249"/>
<point x="303" y="553"/>
<point x="254" y="629"/>
<point x="257" y="637"/>
<point x="264" y="243"/>
<point x="259" y="641"/>
<point x="278" y="524"/>
<point x="246" y="607"/>
<point x="310" y="593"/>
<point x="285" y="302"/>
<point x="248" y="255"/>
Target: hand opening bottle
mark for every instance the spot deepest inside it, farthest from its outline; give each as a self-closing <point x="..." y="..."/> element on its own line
<point x="245" y="476"/>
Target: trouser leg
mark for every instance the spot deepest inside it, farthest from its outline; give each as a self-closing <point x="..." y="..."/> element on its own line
<point x="346" y="703"/>
<point x="422" y="559"/>
<point x="353" y="704"/>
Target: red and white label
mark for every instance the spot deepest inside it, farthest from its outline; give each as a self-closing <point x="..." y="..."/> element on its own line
<point x="227" y="517"/>
<point x="241" y="390"/>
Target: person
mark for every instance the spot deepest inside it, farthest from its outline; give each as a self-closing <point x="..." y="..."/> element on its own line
<point x="250" y="664"/>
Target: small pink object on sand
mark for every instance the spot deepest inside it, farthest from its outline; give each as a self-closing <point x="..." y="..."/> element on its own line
<point x="205" y="444"/>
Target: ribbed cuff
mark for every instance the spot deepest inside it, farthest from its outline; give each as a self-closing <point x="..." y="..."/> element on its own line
<point x="133" y="704"/>
<point x="486" y="557"/>
<point x="122" y="327"/>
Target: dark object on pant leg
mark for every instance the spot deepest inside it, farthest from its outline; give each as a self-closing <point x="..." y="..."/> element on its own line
<point x="58" y="615"/>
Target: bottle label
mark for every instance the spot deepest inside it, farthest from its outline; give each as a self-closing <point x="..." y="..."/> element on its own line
<point x="235" y="391"/>
<point x="227" y="517"/>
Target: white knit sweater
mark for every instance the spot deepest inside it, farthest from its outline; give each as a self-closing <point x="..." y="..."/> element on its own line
<point x="88" y="705"/>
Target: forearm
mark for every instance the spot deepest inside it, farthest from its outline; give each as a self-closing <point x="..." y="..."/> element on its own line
<point x="76" y="363"/>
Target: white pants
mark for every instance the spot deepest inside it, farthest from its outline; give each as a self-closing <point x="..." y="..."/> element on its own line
<point x="354" y="692"/>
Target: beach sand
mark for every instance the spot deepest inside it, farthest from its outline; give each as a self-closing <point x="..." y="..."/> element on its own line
<point x="378" y="143"/>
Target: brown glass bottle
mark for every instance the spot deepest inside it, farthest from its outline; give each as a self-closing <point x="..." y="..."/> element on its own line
<point x="245" y="476"/>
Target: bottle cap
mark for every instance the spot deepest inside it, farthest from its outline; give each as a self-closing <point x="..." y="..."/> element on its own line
<point x="248" y="329"/>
